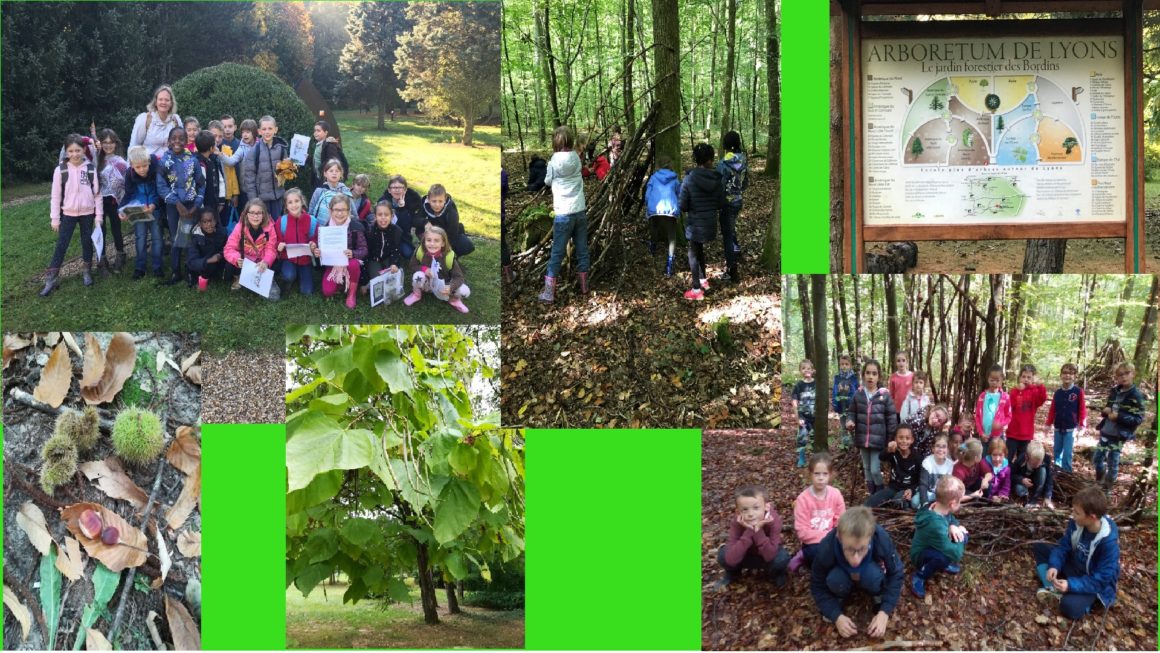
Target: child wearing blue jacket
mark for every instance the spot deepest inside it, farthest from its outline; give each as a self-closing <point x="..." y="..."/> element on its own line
<point x="141" y="190"/>
<point x="1084" y="566"/>
<point x="662" y="207"/>
<point x="735" y="175"/>
<point x="181" y="185"/>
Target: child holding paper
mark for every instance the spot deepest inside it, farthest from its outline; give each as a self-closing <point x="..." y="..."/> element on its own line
<point x="435" y="270"/>
<point x="296" y="227"/>
<point x="254" y="239"/>
<point x="336" y="276"/>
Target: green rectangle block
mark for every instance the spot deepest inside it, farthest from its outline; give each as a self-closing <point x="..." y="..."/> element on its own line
<point x="805" y="137"/>
<point x="613" y="540"/>
<point x="243" y="497"/>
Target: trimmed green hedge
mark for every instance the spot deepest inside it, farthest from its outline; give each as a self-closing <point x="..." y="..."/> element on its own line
<point x="495" y="600"/>
<point x="244" y="92"/>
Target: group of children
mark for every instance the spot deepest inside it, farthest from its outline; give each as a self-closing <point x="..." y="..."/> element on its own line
<point x="846" y="550"/>
<point x="710" y="194"/>
<point x="204" y="178"/>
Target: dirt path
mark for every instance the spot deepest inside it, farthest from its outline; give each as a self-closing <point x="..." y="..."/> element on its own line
<point x="27" y="199"/>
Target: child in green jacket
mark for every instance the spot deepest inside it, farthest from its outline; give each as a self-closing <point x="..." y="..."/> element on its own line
<point x="938" y="537"/>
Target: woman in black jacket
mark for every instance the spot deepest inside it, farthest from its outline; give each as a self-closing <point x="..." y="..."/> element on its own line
<point x="408" y="208"/>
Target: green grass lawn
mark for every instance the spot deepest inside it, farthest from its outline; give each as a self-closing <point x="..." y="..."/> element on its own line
<point x="1152" y="194"/>
<point x="322" y="622"/>
<point x="241" y="320"/>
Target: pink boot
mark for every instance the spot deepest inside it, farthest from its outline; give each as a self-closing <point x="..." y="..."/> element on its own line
<point x="797" y="561"/>
<point x="458" y="305"/>
<point x="415" y="296"/>
<point x="351" y="296"/>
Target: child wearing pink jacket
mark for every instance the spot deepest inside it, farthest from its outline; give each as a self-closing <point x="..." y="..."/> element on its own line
<point x="254" y="239"/>
<point x="993" y="408"/>
<point x="815" y="511"/>
<point x="76" y="201"/>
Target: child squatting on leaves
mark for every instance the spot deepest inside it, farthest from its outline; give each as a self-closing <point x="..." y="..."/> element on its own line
<point x="1084" y="566"/>
<point x="815" y="511"/>
<point x="938" y="537"/>
<point x="754" y="540"/>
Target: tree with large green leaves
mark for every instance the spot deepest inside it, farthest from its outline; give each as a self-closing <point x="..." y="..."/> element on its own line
<point x="390" y="473"/>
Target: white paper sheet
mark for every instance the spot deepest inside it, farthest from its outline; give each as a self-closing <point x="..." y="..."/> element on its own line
<point x="299" y="145"/>
<point x="296" y="250"/>
<point x="332" y="245"/>
<point x="259" y="283"/>
<point x="98" y="243"/>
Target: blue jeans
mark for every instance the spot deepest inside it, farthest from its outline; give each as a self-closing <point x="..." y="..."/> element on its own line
<point x="728" y="221"/>
<point x="143" y="231"/>
<point x="1042" y="485"/>
<point x="930" y="562"/>
<point x="1108" y="449"/>
<point x="572" y="226"/>
<point x="68" y="225"/>
<point x="871" y="466"/>
<point x="774" y="568"/>
<point x="274" y="207"/>
<point x="304" y="274"/>
<point x="870" y="578"/>
<point x="804" y="435"/>
<point x="1063" y="444"/>
<point x="1072" y="605"/>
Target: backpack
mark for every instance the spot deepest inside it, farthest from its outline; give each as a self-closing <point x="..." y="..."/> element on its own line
<point x="537" y="172"/>
<point x="90" y="173"/>
<point x="448" y="259"/>
<point x="309" y="232"/>
<point x="322" y="211"/>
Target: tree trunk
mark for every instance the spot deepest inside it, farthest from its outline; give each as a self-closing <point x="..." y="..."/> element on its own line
<point x="452" y="601"/>
<point x="549" y="64"/>
<point x="382" y="104"/>
<point x="1044" y="255"/>
<point x="1014" y="323"/>
<point x="821" y="360"/>
<point x="807" y="328"/>
<point x="857" y="351"/>
<point x="1089" y="286"/>
<point x="753" y="83"/>
<point x="850" y="337"/>
<point x="772" y="58"/>
<point x="667" y="63"/>
<point x="539" y="75"/>
<point x="427" y="586"/>
<point x="468" y="128"/>
<point x="627" y="53"/>
<point x="1146" y="342"/>
<point x="891" y="319"/>
<point x="837" y="143"/>
<point x="1031" y="313"/>
<point x="1125" y="297"/>
<point x="730" y="67"/>
<point x="990" y="337"/>
<point x="836" y="311"/>
<point x="714" y="21"/>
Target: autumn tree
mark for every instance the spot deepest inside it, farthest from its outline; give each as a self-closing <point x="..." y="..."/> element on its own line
<point x="449" y="60"/>
<point x="282" y="41"/>
<point x="367" y="62"/>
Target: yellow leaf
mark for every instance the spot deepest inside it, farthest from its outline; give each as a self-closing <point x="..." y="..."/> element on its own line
<point x="676" y="380"/>
<point x="521" y="364"/>
<point x="19" y="610"/>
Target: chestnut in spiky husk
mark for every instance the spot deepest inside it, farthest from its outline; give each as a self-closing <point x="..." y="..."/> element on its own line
<point x="137" y="436"/>
<point x="60" y="462"/>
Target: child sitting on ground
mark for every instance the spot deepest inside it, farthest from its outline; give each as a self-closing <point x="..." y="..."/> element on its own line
<point x="1032" y="477"/>
<point x="935" y="467"/>
<point x="858" y="553"/>
<point x="904" y="466"/>
<point x="996" y="465"/>
<point x="435" y="270"/>
<point x="805" y="394"/>
<point x="955" y="440"/>
<point x="702" y="196"/>
<point x="1085" y="565"/>
<point x="969" y="470"/>
<point x="254" y="239"/>
<point x="916" y="400"/>
<point x="362" y="202"/>
<point x="384" y="246"/>
<point x="571" y="214"/>
<point x="1026" y="398"/>
<point x="439" y="210"/>
<point x="939" y="539"/>
<point x="320" y="201"/>
<point x="661" y="199"/>
<point x="207" y="253"/>
<point x="754" y="540"/>
<point x="1123" y="412"/>
<point x="815" y="511"/>
<point x="1067" y="415"/>
<point x="993" y="408"/>
<point x="337" y="277"/>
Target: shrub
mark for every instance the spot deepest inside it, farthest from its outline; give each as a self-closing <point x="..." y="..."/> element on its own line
<point x="245" y="92"/>
<point x="1152" y="161"/>
<point x="495" y="600"/>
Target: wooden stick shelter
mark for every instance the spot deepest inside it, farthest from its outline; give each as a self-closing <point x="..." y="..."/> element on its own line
<point x="853" y="27"/>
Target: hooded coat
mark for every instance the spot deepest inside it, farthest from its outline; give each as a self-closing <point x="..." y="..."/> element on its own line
<point x="874" y="418"/>
<point x="661" y="194"/>
<point x="259" y="170"/>
<point x="563" y="175"/>
<point x="702" y="196"/>
<point x="1102" y="562"/>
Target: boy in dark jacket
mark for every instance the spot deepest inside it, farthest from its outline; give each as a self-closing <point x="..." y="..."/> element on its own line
<point x="1032" y="476"/>
<point x="905" y="470"/>
<point x="439" y="211"/>
<point x="260" y="167"/>
<point x="206" y="254"/>
<point x="754" y="540"/>
<point x="842" y="391"/>
<point x="805" y="397"/>
<point x="1123" y="412"/>
<point x="1085" y="565"/>
<point x="702" y="196"/>
<point x="858" y="553"/>
<point x="211" y="169"/>
<point x="939" y="539"/>
<point x="141" y="190"/>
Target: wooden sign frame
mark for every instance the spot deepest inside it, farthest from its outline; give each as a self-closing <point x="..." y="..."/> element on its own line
<point x="1130" y="26"/>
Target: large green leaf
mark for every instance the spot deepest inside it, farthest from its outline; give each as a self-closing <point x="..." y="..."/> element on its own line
<point x="357" y="385"/>
<point x="321" y="545"/>
<point x="456" y="509"/>
<point x="411" y="485"/>
<point x="375" y="579"/>
<point x="463" y="458"/>
<point x="398" y="590"/>
<point x="294" y="333"/>
<point x="296" y="393"/>
<point x="337" y="362"/>
<point x="318" y="444"/>
<point x="360" y="531"/>
<point x="394" y="370"/>
<point x="50" y="581"/>
<point x="455" y="565"/>
<point x="322" y="488"/>
<point x="311" y="576"/>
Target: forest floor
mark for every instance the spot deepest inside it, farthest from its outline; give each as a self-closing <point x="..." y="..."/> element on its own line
<point x="423" y="153"/>
<point x="26" y="430"/>
<point x="970" y="611"/>
<point x="322" y="621"/>
<point x="633" y="352"/>
<point x="1006" y="256"/>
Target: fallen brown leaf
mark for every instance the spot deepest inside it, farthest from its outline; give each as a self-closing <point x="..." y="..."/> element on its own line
<point x="52" y="338"/>
<point x="95" y="641"/>
<point x="184" y="452"/>
<point x="189" y="543"/>
<point x="12" y="344"/>
<point x="190" y="495"/>
<point x="20" y="611"/>
<point x="116" y="557"/>
<point x="163" y="556"/>
<point x="189" y="361"/>
<point x="55" y="378"/>
<point x="151" y="624"/>
<point x="70" y="562"/>
<point x="72" y="344"/>
<point x="120" y="359"/>
<point x="94" y="362"/>
<point x="113" y="481"/>
<point x="31" y="521"/>
<point x="185" y="633"/>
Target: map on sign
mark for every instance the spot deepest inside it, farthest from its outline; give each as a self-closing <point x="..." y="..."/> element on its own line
<point x="980" y="131"/>
<point x="999" y="120"/>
